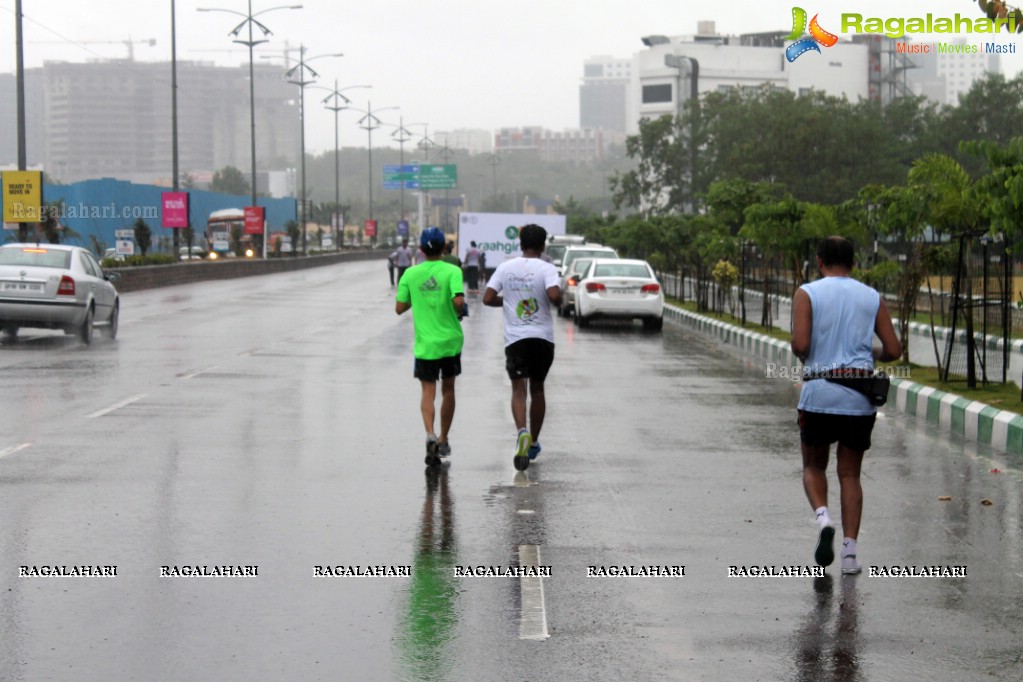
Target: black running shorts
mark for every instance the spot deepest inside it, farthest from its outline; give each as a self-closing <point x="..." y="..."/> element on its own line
<point x="852" y="431"/>
<point x="431" y="370"/>
<point x="529" y="359"/>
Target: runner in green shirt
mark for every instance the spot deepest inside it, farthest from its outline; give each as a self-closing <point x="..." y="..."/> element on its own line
<point x="433" y="291"/>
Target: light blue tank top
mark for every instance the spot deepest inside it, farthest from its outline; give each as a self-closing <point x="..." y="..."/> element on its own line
<point x="842" y="335"/>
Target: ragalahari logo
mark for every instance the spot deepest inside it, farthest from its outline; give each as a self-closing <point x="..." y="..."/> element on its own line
<point x="818" y="36"/>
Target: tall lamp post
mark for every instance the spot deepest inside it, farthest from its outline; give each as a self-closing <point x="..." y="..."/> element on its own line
<point x="369" y="123"/>
<point x="681" y="63"/>
<point x="333" y="102"/>
<point x="401" y="136"/>
<point x="494" y="162"/>
<point x="298" y="75"/>
<point x="248" y="21"/>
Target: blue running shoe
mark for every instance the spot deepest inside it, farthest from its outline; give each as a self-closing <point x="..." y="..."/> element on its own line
<point x="522" y="443"/>
<point x="534" y="451"/>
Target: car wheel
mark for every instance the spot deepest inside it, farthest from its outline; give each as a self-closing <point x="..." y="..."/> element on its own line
<point x="583" y="322"/>
<point x="110" y="331"/>
<point x="653" y="324"/>
<point x="85" y="331"/>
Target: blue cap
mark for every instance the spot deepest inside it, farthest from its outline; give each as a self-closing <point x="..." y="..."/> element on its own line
<point x="432" y="238"/>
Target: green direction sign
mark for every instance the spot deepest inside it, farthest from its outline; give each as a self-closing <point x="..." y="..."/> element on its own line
<point x="438" y="176"/>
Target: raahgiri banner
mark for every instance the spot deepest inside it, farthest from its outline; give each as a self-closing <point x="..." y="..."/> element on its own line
<point x="498" y="233"/>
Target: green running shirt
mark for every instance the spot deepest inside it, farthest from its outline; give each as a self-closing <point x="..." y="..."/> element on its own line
<point x="430" y="288"/>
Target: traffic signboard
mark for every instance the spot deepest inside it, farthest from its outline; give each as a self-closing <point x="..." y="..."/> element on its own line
<point x="438" y="176"/>
<point x="395" y="176"/>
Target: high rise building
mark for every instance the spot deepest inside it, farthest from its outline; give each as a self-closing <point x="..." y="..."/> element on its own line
<point x="604" y="93"/>
<point x="113" y="119"/>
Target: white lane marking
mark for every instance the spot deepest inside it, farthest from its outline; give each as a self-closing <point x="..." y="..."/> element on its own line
<point x="533" y="621"/>
<point x="14" y="448"/>
<point x="192" y="375"/>
<point x="116" y="406"/>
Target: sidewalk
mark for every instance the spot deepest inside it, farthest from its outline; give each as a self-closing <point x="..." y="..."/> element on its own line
<point x="971" y="419"/>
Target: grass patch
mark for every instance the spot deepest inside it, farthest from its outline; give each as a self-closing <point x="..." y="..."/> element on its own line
<point x="1002" y="396"/>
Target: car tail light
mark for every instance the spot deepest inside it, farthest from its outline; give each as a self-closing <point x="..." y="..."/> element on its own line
<point x="572" y="281"/>
<point x="66" y="287"/>
<point x="593" y="287"/>
<point x="650" y="288"/>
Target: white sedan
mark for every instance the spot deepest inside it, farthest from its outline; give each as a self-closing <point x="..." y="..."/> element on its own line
<point x="620" y="288"/>
<point x="56" y="286"/>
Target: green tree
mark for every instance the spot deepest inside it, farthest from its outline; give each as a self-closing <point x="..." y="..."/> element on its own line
<point x="294" y="230"/>
<point x="143" y="236"/>
<point x="230" y="180"/>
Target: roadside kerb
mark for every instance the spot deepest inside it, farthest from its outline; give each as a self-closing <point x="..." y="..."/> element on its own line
<point x="973" y="420"/>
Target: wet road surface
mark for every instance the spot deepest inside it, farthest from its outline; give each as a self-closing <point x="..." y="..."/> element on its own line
<point x="273" y="423"/>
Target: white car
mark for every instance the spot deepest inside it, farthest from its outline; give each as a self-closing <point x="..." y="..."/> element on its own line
<point x="622" y="288"/>
<point x="584" y="251"/>
<point x="569" y="282"/>
<point x="56" y="286"/>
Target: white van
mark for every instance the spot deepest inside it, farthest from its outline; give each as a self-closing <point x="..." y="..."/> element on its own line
<point x="557" y="243"/>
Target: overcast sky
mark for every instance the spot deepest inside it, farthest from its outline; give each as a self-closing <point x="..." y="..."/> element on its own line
<point x="448" y="63"/>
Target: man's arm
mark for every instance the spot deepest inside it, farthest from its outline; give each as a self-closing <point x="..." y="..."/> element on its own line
<point x="802" y="323"/>
<point x="492" y="298"/>
<point x="400" y="307"/>
<point x="459" y="303"/>
<point x="891" y="348"/>
<point x="554" y="295"/>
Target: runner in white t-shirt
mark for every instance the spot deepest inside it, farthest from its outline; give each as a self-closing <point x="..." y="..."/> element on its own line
<point x="527" y="288"/>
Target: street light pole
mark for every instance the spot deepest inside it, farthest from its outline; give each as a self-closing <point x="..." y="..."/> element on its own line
<point x="679" y="62"/>
<point x="446" y="153"/>
<point x="336" y="98"/>
<point x="249" y="20"/>
<point x="403" y="135"/>
<point x="174" y="117"/>
<point x="369" y="123"/>
<point x="494" y="161"/>
<point x="297" y="75"/>
<point x="20" y="79"/>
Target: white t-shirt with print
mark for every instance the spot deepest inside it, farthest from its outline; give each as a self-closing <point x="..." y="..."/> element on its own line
<point x="523" y="283"/>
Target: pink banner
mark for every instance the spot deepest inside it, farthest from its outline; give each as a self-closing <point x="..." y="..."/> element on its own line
<point x="253" y="220"/>
<point x="175" y="209"/>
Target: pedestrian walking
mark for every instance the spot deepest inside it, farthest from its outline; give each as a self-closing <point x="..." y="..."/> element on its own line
<point x="834" y="321"/>
<point x="433" y="291"/>
<point x="472" y="268"/>
<point x="526" y="287"/>
<point x="390" y="268"/>
<point x="402" y="258"/>
<point x="449" y="255"/>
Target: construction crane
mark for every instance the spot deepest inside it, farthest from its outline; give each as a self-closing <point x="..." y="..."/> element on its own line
<point x="129" y="42"/>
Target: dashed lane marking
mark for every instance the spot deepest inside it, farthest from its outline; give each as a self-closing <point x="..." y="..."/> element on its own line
<point x="116" y="406"/>
<point x="533" y="621"/>
<point x="14" y="448"/>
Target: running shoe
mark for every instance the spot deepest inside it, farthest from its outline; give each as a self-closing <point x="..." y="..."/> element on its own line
<point x="443" y="449"/>
<point x="825" y="553"/>
<point x="850" y="566"/>
<point x="534" y="451"/>
<point x="522" y="443"/>
<point x="432" y="458"/>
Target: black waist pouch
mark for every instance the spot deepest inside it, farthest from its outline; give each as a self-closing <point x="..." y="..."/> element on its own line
<point x="875" y="386"/>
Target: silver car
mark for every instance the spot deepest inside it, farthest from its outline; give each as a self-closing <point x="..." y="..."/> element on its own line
<point x="56" y="286"/>
<point x="569" y="282"/>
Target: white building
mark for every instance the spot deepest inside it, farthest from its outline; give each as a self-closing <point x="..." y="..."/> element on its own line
<point x="664" y="71"/>
<point x="474" y="141"/>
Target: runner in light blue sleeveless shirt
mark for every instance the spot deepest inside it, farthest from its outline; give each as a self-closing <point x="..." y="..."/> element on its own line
<point x="844" y="312"/>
